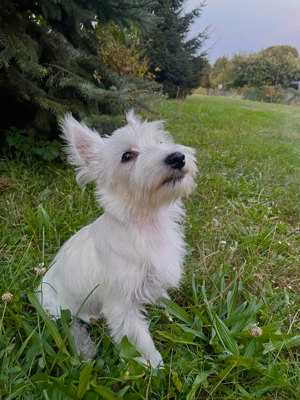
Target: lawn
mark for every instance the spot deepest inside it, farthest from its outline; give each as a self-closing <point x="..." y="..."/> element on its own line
<point x="231" y="331"/>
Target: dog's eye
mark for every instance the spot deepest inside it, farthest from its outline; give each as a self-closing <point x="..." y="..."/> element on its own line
<point x="127" y="156"/>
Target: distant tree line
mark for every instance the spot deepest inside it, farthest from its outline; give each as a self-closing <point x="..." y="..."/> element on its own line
<point x="269" y="71"/>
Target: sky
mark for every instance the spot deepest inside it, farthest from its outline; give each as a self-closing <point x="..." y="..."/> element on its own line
<point x="249" y="25"/>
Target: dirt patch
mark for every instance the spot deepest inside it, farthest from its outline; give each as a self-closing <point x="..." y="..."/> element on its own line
<point x="6" y="183"/>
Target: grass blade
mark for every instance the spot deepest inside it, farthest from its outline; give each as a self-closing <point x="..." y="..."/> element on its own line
<point x="177" y="311"/>
<point x="84" y="380"/>
<point x="19" y="353"/>
<point x="222" y="331"/>
<point x="49" y="323"/>
<point x="174" y="338"/>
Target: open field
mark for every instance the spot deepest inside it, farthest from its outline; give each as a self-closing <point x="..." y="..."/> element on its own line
<point x="242" y="268"/>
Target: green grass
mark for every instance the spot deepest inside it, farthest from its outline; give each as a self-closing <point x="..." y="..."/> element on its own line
<point x="242" y="268"/>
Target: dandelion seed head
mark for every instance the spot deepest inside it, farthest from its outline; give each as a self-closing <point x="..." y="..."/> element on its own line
<point x="255" y="330"/>
<point x="40" y="271"/>
<point x="215" y="222"/>
<point x="6" y="297"/>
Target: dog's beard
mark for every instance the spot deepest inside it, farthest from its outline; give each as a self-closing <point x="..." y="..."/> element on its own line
<point x="173" y="180"/>
<point x="177" y="184"/>
<point x="141" y="202"/>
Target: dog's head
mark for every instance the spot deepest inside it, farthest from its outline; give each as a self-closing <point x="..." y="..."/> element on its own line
<point x="139" y="167"/>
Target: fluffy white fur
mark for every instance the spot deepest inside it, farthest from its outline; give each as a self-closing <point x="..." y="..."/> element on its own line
<point x="134" y="251"/>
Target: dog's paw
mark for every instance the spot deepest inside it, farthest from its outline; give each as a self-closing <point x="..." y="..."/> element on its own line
<point x="83" y="342"/>
<point x="154" y="361"/>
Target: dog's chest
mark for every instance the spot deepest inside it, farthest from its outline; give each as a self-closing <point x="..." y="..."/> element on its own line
<point x="160" y="253"/>
<point x="144" y="259"/>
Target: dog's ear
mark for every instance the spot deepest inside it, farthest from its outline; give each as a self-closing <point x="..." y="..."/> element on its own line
<point x="132" y="118"/>
<point x="84" y="148"/>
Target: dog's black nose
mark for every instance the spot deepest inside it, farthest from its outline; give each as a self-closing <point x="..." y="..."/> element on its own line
<point x="176" y="160"/>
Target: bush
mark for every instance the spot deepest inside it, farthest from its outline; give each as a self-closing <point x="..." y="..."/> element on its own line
<point x="120" y="51"/>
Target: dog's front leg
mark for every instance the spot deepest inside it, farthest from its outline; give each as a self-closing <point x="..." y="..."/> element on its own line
<point x="125" y="318"/>
<point x="83" y="342"/>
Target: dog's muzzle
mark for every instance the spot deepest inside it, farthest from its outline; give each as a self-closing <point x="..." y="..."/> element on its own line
<point x="175" y="160"/>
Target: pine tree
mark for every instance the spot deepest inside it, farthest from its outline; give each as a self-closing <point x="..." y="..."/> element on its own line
<point x="49" y="66"/>
<point x="175" y="60"/>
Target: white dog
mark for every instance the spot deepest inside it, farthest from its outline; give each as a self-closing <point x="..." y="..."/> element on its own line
<point x="134" y="251"/>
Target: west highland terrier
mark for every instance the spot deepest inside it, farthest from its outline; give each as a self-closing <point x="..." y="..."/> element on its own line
<point x="135" y="250"/>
